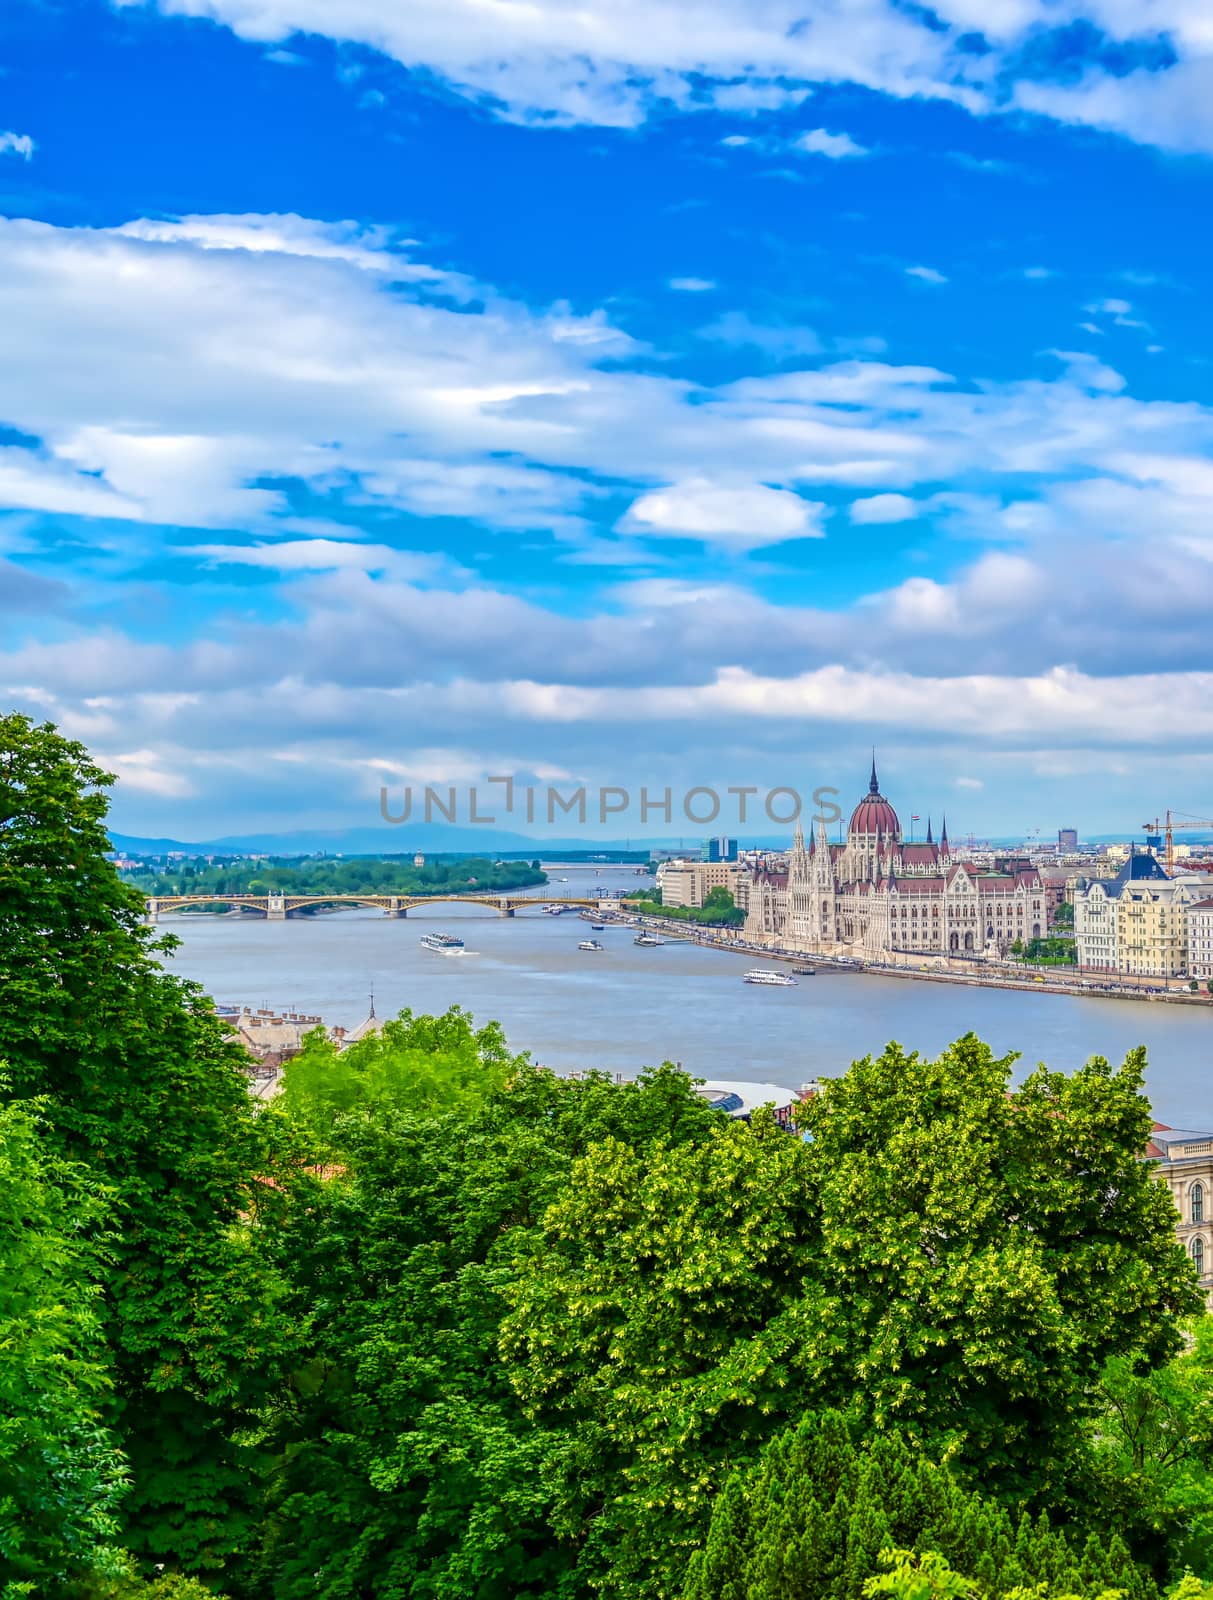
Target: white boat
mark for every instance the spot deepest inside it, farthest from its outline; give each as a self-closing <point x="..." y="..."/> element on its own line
<point x="782" y="980"/>
<point x="445" y="942"/>
<point x="591" y="944"/>
<point x="647" y="939"/>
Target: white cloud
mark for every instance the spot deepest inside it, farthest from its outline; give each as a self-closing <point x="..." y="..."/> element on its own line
<point x="748" y="99"/>
<point x="321" y="555"/>
<point x="692" y="285"/>
<point x="926" y="274"/>
<point x="884" y="508"/>
<point x="17" y="144"/>
<point x="737" y="327"/>
<point x="743" y="516"/>
<point x="837" y="146"/>
<point x="969" y="783"/>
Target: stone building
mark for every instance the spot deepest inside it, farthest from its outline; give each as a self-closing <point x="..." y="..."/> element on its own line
<point x="1200" y="940"/>
<point x="1142" y="924"/>
<point x="874" y="894"/>
<point x="1185" y="1164"/>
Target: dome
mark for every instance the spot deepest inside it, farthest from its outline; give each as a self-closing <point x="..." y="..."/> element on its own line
<point x="874" y="814"/>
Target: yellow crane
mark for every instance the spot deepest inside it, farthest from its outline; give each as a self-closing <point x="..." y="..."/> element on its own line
<point x="1167" y="827"/>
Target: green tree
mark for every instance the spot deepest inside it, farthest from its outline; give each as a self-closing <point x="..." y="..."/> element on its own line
<point x="60" y="1476"/>
<point x="826" y="1505"/>
<point x="647" y="1334"/>
<point x="985" y="1252"/>
<point x="1154" y="1452"/>
<point x="404" y="1462"/>
<point x="413" y="1063"/>
<point x="140" y="1085"/>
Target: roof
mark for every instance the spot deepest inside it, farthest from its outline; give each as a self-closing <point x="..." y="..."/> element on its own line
<point x="1169" y="1144"/>
<point x="1137" y="869"/>
<point x="747" y="1096"/>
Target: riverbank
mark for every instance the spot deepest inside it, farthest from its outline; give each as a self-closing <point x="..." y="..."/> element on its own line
<point x="1003" y="978"/>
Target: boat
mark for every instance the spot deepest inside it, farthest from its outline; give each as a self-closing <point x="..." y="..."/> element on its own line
<point x="647" y="939"/>
<point x="591" y="944"/>
<point x="598" y="926"/>
<point x="444" y="942"/>
<point x="805" y="972"/>
<point x="765" y="975"/>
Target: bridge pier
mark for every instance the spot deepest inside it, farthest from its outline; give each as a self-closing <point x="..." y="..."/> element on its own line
<point x="153" y="911"/>
<point x="505" y="909"/>
<point x="275" y="907"/>
<point x="395" y="909"/>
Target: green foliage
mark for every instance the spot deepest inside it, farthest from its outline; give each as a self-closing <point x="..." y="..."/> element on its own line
<point x="417" y="1064"/>
<point x="646" y="1332"/>
<point x="60" y="1476"/>
<point x="716" y="911"/>
<point x="824" y="1507"/>
<point x="984" y="1253"/>
<point x="913" y="1577"/>
<point x="1063" y="917"/>
<point x="327" y="875"/>
<point x="404" y="1462"/>
<point x="1155" y="1449"/>
<point x="1050" y="952"/>
<point x="141" y="1086"/>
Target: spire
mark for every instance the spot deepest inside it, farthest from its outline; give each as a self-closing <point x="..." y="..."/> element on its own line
<point x="943" y="837"/>
<point x="873" y="786"/>
<point x="929" y="838"/>
<point x="372" y="1005"/>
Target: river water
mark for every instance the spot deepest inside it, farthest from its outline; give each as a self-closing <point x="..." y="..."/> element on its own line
<point x="624" y="1008"/>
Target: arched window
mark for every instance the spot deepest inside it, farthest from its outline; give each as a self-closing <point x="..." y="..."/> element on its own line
<point x="1197" y="1249"/>
<point x="1196" y="1197"/>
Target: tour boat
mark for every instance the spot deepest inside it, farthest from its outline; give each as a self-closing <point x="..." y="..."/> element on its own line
<point x="647" y="939"/>
<point x="590" y="944"/>
<point x="441" y="941"/>
<point x="764" y="975"/>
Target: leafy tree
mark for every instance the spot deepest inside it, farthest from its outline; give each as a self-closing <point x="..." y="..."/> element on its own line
<point x="646" y="1332"/>
<point x="60" y="1476"/>
<point x="984" y="1253"/>
<point x="414" y="1064"/>
<point x="404" y="1462"/>
<point x="825" y="1506"/>
<point x="1154" y="1440"/>
<point x="139" y="1084"/>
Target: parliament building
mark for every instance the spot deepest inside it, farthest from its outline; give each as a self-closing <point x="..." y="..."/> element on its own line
<point x="874" y="895"/>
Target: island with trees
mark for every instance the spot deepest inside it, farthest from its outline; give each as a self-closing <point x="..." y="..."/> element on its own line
<point x="436" y="1324"/>
<point x="337" y="875"/>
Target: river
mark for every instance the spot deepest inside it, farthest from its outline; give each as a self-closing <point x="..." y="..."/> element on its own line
<point x="623" y="1008"/>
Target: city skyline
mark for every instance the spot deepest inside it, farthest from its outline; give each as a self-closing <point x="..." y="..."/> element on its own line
<point x="645" y="404"/>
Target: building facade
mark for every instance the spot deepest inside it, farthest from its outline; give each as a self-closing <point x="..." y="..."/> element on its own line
<point x="688" y="883"/>
<point x="1184" y="1160"/>
<point x="1200" y="940"/>
<point x="875" y="895"/>
<point x="1142" y="924"/>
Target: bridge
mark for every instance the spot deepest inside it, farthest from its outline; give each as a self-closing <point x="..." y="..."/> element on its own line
<point x="278" y="907"/>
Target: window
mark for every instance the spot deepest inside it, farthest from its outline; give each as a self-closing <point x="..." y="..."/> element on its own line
<point x="1197" y="1249"/>
<point x="1196" y="1199"/>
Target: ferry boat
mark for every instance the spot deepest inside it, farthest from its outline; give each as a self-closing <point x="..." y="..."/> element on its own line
<point x="591" y="944"/>
<point x="805" y="972"/>
<point x="445" y="942"/>
<point x="782" y="980"/>
<point x="647" y="939"/>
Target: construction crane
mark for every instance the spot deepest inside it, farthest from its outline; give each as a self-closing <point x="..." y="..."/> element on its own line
<point x="1160" y="829"/>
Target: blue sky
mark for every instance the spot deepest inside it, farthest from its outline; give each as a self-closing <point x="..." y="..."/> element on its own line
<point x="412" y="390"/>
